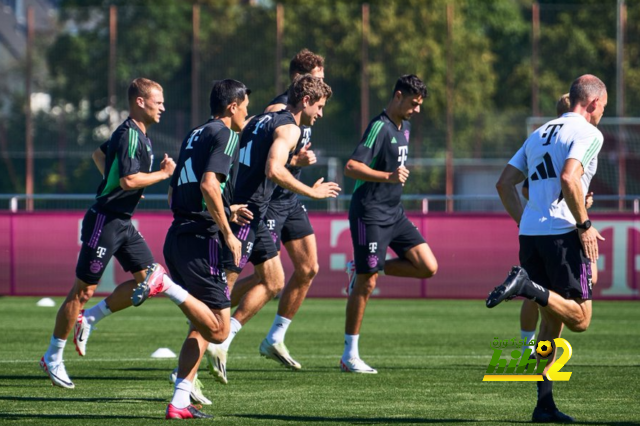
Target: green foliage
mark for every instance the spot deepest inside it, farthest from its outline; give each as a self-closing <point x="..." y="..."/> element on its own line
<point x="491" y="57"/>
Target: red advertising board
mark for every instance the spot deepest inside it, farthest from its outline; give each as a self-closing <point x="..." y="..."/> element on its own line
<point x="474" y="252"/>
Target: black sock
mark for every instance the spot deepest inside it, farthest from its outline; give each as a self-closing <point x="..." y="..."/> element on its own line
<point x="535" y="292"/>
<point x="545" y="395"/>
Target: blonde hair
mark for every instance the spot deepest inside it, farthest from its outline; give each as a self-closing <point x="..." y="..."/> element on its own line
<point x="563" y="105"/>
<point x="141" y="87"/>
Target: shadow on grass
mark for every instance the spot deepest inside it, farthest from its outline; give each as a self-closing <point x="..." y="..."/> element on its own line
<point x="399" y="420"/>
<point x="10" y="416"/>
<point x="41" y="377"/>
<point x="76" y="399"/>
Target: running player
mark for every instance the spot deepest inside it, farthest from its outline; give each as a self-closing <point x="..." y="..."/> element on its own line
<point x="529" y="310"/>
<point x="288" y="222"/>
<point x="265" y="146"/>
<point x="200" y="196"/>
<point x="376" y="217"/>
<point x="557" y="241"/>
<point x="107" y="230"/>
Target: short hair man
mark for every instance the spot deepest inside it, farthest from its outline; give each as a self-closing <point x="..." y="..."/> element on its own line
<point x="265" y="146"/>
<point x="377" y="219"/>
<point x="529" y="310"/>
<point x="557" y="241"/>
<point x="288" y="222"/>
<point x="107" y="230"/>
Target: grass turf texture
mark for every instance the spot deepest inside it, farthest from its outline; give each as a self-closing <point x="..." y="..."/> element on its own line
<point x="431" y="356"/>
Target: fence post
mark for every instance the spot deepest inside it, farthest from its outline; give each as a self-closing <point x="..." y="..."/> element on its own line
<point x="113" y="39"/>
<point x="279" y="36"/>
<point x="535" y="42"/>
<point x="450" y="126"/>
<point x="622" y="142"/>
<point x="195" y="68"/>
<point x="28" y="115"/>
<point x="364" y="73"/>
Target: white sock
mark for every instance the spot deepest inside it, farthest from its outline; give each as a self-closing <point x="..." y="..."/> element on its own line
<point x="181" y="394"/>
<point x="351" y="346"/>
<point x="56" y="348"/>
<point x="97" y="313"/>
<point x="528" y="336"/>
<point x="278" y="329"/>
<point x="173" y="291"/>
<point x="235" y="327"/>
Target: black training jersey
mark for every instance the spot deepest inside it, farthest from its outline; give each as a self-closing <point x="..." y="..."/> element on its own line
<point x="212" y="147"/>
<point x="384" y="148"/>
<point x="128" y="152"/>
<point x="280" y="194"/>
<point x="252" y="186"/>
<point x="280" y="99"/>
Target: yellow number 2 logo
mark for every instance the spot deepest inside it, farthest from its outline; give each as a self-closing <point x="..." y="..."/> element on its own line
<point x="554" y="371"/>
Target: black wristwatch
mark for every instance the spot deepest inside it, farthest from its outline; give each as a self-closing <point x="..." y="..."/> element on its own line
<point x="586" y="225"/>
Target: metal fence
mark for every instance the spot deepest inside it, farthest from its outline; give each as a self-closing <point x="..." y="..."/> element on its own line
<point x="488" y="66"/>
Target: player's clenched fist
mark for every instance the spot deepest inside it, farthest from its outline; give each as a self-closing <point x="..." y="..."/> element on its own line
<point x="400" y="175"/>
<point x="167" y="165"/>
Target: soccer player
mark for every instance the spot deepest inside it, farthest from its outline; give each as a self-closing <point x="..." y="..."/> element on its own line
<point x="376" y="217"/>
<point x="107" y="229"/>
<point x="265" y="146"/>
<point x="529" y="310"/>
<point x="288" y="222"/>
<point x="557" y="241"/>
<point x="200" y="196"/>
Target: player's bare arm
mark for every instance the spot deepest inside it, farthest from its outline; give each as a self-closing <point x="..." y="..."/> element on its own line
<point x="508" y="192"/>
<point x="572" y="191"/>
<point x="286" y="138"/>
<point x="210" y="187"/>
<point x="358" y="170"/>
<point x="142" y="180"/>
<point x="99" y="158"/>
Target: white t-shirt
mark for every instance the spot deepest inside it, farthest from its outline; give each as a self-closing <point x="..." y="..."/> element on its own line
<point x="542" y="159"/>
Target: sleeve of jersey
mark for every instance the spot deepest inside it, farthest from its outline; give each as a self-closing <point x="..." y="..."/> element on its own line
<point x="128" y="154"/>
<point x="224" y="144"/>
<point x="370" y="144"/>
<point x="586" y="147"/>
<point x="519" y="161"/>
<point x="104" y="147"/>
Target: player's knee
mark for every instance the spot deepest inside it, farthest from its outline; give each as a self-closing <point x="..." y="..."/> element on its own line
<point x="215" y="335"/>
<point x="308" y="272"/>
<point x="275" y="287"/>
<point x="365" y="287"/>
<point x="580" y="323"/>
<point x="83" y="291"/>
<point x="579" y="326"/>
<point x="428" y="270"/>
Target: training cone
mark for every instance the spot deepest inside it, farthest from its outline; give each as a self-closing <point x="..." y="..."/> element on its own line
<point x="163" y="353"/>
<point x="46" y="303"/>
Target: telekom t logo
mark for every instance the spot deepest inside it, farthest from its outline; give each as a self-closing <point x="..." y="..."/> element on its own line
<point x="619" y="264"/>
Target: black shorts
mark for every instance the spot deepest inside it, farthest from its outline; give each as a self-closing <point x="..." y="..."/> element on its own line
<point x="104" y="235"/>
<point x="193" y="261"/>
<point x="257" y="245"/>
<point x="558" y="263"/>
<point x="370" y="242"/>
<point x="287" y="221"/>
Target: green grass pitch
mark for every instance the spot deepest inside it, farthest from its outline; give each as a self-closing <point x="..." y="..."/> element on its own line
<point x="431" y="356"/>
